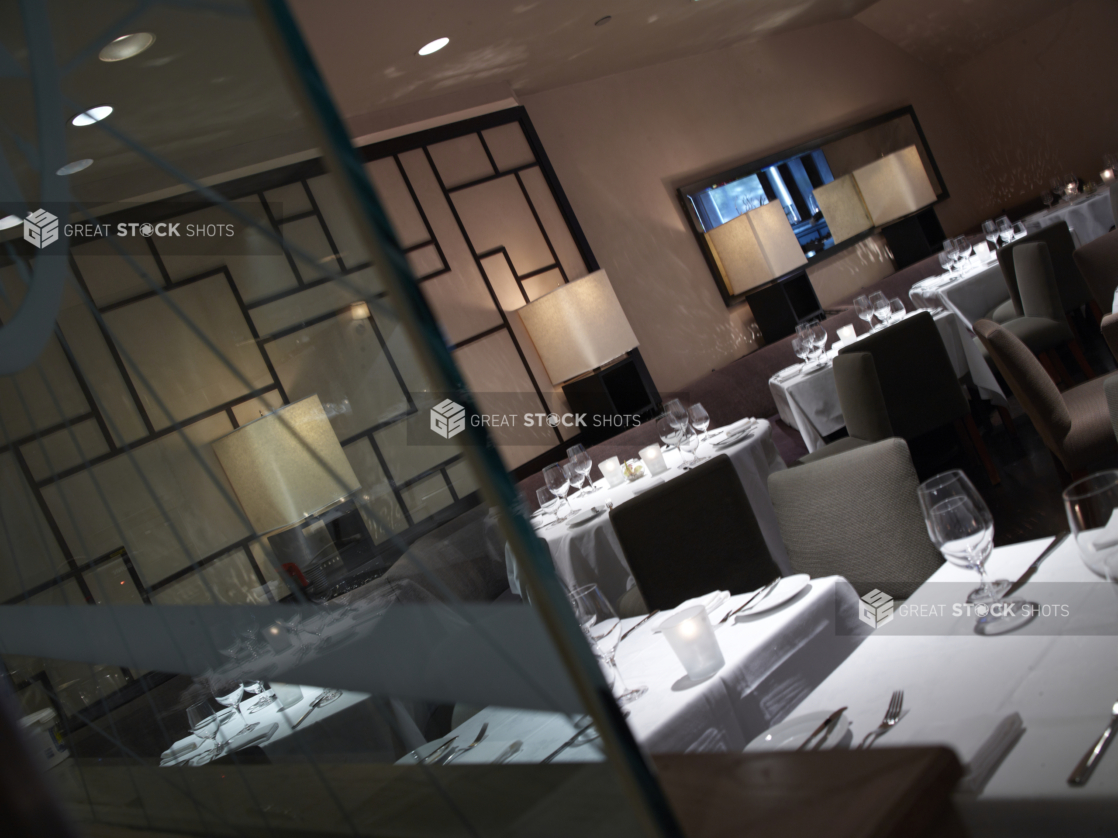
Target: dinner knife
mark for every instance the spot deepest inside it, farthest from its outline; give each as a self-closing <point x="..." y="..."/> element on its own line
<point x="439" y="751"/>
<point x="1032" y="569"/>
<point x="761" y="592"/>
<point x="1086" y="767"/>
<point x="827" y="725"/>
<point x="650" y="615"/>
<point x="314" y="703"/>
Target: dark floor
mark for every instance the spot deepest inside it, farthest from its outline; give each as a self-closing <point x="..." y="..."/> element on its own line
<point x="1026" y="504"/>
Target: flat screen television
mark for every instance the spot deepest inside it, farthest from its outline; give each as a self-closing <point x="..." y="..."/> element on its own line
<point x="787" y="228"/>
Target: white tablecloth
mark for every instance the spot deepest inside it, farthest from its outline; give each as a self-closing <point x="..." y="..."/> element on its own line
<point x="1060" y="673"/>
<point x="1088" y="218"/>
<point x="773" y="660"/>
<point x="590" y="552"/>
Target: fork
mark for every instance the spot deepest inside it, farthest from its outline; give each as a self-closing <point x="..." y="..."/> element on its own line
<point x="474" y="744"/>
<point x="892" y="716"/>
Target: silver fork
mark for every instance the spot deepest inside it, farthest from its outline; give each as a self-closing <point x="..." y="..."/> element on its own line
<point x="474" y="744"/>
<point x="892" y="716"/>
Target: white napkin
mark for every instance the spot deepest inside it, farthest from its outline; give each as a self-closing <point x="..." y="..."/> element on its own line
<point x="709" y="601"/>
<point x="254" y="737"/>
<point x="980" y="742"/>
<point x="180" y="750"/>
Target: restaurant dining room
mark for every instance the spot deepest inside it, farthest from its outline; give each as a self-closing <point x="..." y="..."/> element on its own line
<point x="600" y="418"/>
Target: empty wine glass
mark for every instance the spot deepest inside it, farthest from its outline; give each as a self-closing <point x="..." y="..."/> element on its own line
<point x="689" y="446"/>
<point x="819" y="340"/>
<point x="1005" y="229"/>
<point x="603" y="629"/>
<point x="700" y="419"/>
<point x="1019" y="230"/>
<point x="962" y="528"/>
<point x="582" y="461"/>
<point x="576" y="478"/>
<point x="261" y="689"/>
<point x="963" y="248"/>
<point x="1047" y="198"/>
<point x="949" y="249"/>
<point x="802" y="347"/>
<point x="896" y="310"/>
<point x="864" y="309"/>
<point x="205" y="723"/>
<point x="1092" y="508"/>
<point x="559" y="484"/>
<point x="675" y="410"/>
<point x="880" y="305"/>
<point x="669" y="431"/>
<point x="233" y="699"/>
<point x="990" y="229"/>
<point x="548" y="502"/>
<point x="945" y="261"/>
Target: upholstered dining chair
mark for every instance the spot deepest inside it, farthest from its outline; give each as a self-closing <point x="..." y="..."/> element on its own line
<point x="1073" y="290"/>
<point x="1044" y="325"/>
<point x="862" y="403"/>
<point x="692" y="535"/>
<point x="856" y="515"/>
<point x="918" y="384"/>
<point x="1098" y="262"/>
<point x="1074" y="424"/>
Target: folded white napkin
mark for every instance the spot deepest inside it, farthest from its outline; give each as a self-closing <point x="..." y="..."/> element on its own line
<point x="180" y="749"/>
<point x="709" y="601"/>
<point x="981" y="742"/>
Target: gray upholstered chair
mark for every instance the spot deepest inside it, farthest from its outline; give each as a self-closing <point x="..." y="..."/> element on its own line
<point x="1044" y="325"/>
<point x="918" y="384"/>
<point x="857" y="515"/>
<point x="692" y="535"/>
<point x="862" y="403"/>
<point x="1098" y="262"/>
<point x="1075" y="424"/>
<point x="1073" y="290"/>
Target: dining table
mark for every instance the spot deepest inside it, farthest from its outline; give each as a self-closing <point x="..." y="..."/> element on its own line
<point x="1088" y="216"/>
<point x="588" y="551"/>
<point x="1027" y="704"/>
<point x="774" y="657"/>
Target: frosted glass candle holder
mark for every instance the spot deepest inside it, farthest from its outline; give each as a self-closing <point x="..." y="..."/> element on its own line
<point x="691" y="637"/>
<point x="1107" y="175"/>
<point x="653" y="459"/>
<point x="611" y="471"/>
<point x="846" y="334"/>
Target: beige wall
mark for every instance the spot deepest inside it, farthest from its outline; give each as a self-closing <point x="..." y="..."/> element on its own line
<point x="1053" y="106"/>
<point x="621" y="145"/>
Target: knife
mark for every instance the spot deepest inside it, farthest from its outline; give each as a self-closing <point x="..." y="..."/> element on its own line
<point x="1032" y="569"/>
<point x="435" y="754"/>
<point x="758" y="596"/>
<point x="825" y="728"/>
<point x="314" y="703"/>
<point x="1086" y="767"/>
<point x="650" y="615"/>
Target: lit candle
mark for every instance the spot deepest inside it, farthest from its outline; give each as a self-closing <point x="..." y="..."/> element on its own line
<point x="654" y="459"/>
<point x="611" y="471"/>
<point x="691" y="637"/>
<point x="846" y="334"/>
<point x="1107" y="175"/>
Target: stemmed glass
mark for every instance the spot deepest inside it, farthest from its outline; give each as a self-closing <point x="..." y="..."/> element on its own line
<point x="896" y="310"/>
<point x="261" y="689"/>
<point x="990" y="229"/>
<point x="963" y="249"/>
<point x="576" y="477"/>
<point x="700" y="419"/>
<point x="962" y="528"/>
<point x="582" y="462"/>
<point x="947" y="255"/>
<point x="819" y="339"/>
<point x="233" y="699"/>
<point x="1048" y="198"/>
<point x="548" y="502"/>
<point x="802" y="347"/>
<point x="204" y="722"/>
<point x="675" y="410"/>
<point x="880" y="305"/>
<point x="559" y="484"/>
<point x="668" y="430"/>
<point x="864" y="310"/>
<point x="689" y="446"/>
<point x="1005" y="229"/>
<point x="603" y="629"/>
<point x="1092" y="508"/>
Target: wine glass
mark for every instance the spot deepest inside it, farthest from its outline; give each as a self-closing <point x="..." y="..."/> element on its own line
<point x="261" y="689"/>
<point x="577" y="455"/>
<point x="603" y="629"/>
<point x="204" y="723"/>
<point x="575" y="477"/>
<point x="699" y="418"/>
<point x="1019" y="230"/>
<point x="689" y="446"/>
<point x="675" y="410"/>
<point x="819" y="340"/>
<point x="896" y="310"/>
<point x="1092" y="508"/>
<point x="548" y="502"/>
<point x="1047" y="198"/>
<point x="233" y="699"/>
<point x="880" y="306"/>
<point x="802" y="347"/>
<point x="945" y="261"/>
<point x="990" y="229"/>
<point x="559" y="484"/>
<point x="963" y="248"/>
<point x="863" y="308"/>
<point x="668" y="430"/>
<point x="949" y="249"/>
<point x="1005" y="229"/>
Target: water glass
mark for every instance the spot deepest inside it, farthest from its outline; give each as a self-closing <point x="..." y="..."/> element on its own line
<point x="1092" y="508"/>
<point x="576" y="477"/>
<point x="577" y="454"/>
<point x="864" y="309"/>
<point x="559" y="484"/>
<point x="700" y="419"/>
<point x="819" y="339"/>
<point x="880" y="305"/>
<point x="1005" y="229"/>
<point x="990" y="229"/>
<point x="689" y="446"/>
<point x="896" y="310"/>
<point x="603" y="631"/>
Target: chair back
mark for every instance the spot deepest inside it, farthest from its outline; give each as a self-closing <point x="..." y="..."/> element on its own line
<point x="1032" y="386"/>
<point x="915" y="374"/>
<point x="1098" y="262"/>
<point x="694" y="534"/>
<point x="1061" y="247"/>
<point x="857" y="515"/>
<point x="859" y="391"/>
<point x="1110" y="387"/>
<point x="1036" y="280"/>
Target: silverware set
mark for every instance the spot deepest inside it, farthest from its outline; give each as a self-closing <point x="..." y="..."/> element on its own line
<point x="756" y="598"/>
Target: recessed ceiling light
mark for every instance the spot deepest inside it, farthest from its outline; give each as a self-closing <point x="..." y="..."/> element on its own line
<point x="9" y="221"/>
<point x="126" y="46"/>
<point x="92" y="115"/>
<point x="76" y="166"/>
<point x="434" y="46"/>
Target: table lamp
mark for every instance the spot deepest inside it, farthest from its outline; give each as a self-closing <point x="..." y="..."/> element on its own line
<point x="895" y="186"/>
<point x="843" y="208"/>
<point x="285" y="467"/>
<point x="755" y="247"/>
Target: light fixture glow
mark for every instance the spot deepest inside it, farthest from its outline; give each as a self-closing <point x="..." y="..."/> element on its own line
<point x="127" y="46"/>
<point x="9" y="221"/>
<point x="359" y="310"/>
<point x="76" y="166"/>
<point x="92" y="115"/>
<point x="434" y="46"/>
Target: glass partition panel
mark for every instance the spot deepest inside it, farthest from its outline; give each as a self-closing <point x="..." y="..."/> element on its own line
<point x="254" y="551"/>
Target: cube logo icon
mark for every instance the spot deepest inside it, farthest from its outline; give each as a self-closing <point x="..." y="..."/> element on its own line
<point x="40" y="228"/>
<point x="448" y="418"/>
<point x="875" y="608"/>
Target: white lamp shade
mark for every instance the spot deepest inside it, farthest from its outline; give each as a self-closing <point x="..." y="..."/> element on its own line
<point x="895" y="186"/>
<point x="577" y="327"/>
<point x="755" y="247"/>
<point x="286" y="466"/>
<point x="843" y="209"/>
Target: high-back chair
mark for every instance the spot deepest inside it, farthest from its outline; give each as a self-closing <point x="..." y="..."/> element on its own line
<point x="1075" y="424"/>
<point x="692" y="535"/>
<point x="1073" y="290"/>
<point x="1098" y="262"/>
<point x="862" y="403"/>
<point x="857" y="515"/>
<point x="919" y="387"/>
